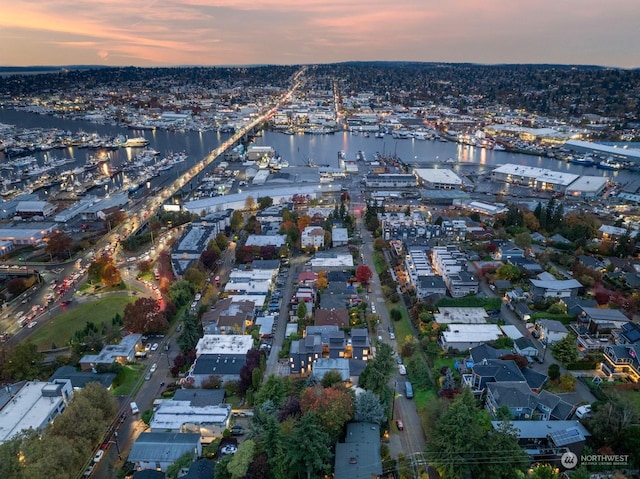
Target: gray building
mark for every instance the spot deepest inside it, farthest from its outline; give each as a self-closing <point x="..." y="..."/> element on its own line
<point x="158" y="450"/>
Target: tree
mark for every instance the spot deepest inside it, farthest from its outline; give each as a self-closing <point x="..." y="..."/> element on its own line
<point x="309" y="448"/>
<point x="553" y="372"/>
<point x="331" y="378"/>
<point x="333" y="407"/>
<point x="543" y="471"/>
<point x="568" y="382"/>
<point x="379" y="244"/>
<point x="23" y="362"/>
<point x="463" y="443"/>
<point x="180" y="292"/>
<point x="16" y="286"/>
<point x="111" y="275"/>
<point x="566" y="350"/>
<point x="264" y="202"/>
<point x="395" y="314"/>
<point x="222" y="241"/>
<point x="369" y="408"/>
<point x="196" y="277"/>
<point x="249" y="203"/>
<point x="523" y="240"/>
<point x="239" y="464"/>
<point x="364" y="274"/>
<point x="58" y="243"/>
<point x="509" y="272"/>
<point x="302" y="310"/>
<point x="208" y="259"/>
<point x="144" y="316"/>
<point x="237" y="221"/>
<point x="273" y="389"/>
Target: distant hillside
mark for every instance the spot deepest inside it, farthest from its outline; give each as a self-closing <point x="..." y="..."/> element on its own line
<point x="45" y="69"/>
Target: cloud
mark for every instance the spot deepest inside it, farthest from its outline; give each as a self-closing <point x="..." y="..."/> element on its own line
<point x="164" y="32"/>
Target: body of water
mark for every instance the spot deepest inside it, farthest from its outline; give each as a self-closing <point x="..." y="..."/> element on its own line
<point x="298" y="150"/>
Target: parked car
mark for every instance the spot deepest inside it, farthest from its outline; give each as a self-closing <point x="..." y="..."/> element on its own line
<point x="228" y="449"/>
<point x="98" y="455"/>
<point x="154" y="366"/>
<point x="154" y="347"/>
<point x="89" y="471"/>
<point x="400" y="424"/>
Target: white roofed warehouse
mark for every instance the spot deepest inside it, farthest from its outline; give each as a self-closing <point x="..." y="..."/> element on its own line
<point x="534" y="177"/>
<point x="438" y="178"/>
<point x="587" y="187"/>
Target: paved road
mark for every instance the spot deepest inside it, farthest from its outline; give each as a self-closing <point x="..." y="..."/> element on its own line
<point x="411" y="440"/>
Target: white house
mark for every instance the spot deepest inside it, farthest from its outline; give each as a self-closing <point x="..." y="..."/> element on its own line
<point x="551" y="330"/>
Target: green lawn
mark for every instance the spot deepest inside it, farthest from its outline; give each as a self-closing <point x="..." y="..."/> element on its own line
<point x="403" y="327"/>
<point x="423" y="397"/>
<point x="131" y="373"/>
<point x="379" y="262"/>
<point x="63" y="325"/>
<point x="440" y="362"/>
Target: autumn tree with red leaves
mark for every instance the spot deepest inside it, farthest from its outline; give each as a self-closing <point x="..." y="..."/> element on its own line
<point x="144" y="316"/>
<point x="334" y="407"/>
<point x="364" y="274"/>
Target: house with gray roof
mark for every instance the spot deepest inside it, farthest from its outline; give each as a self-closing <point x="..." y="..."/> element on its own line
<point x="79" y="379"/>
<point x="541" y="289"/>
<point x="489" y="371"/>
<point x="551" y="330"/>
<point x="601" y="316"/>
<point x="158" y="450"/>
<point x="548" y="440"/>
<point x="525" y="347"/>
<point x="359" y="455"/>
<point x="122" y="353"/>
<point x="621" y="362"/>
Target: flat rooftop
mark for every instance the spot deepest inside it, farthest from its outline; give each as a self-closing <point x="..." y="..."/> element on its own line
<point x="538" y="174"/>
<point x="451" y="315"/>
<point x="224" y="344"/>
<point x="438" y="175"/>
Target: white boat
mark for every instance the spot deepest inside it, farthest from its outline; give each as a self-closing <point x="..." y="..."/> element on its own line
<point x="379" y="134"/>
<point x="137" y="142"/>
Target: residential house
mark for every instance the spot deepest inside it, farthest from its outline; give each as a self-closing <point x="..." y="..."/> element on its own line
<point x="429" y="285"/>
<point x="121" y="353"/>
<point x="591" y="262"/>
<point x="338" y="317"/>
<point x="522" y="311"/>
<point x="525" y="347"/>
<point x="324" y="365"/>
<point x="547" y="441"/>
<point x="360" y="344"/>
<point x="462" y="337"/>
<point x="200" y="469"/>
<point x="359" y="456"/>
<point x="554" y="288"/>
<point x="79" y="379"/>
<point x="506" y="250"/>
<point x="599" y="317"/>
<point x="158" y="450"/>
<point x="312" y="236"/>
<point x="339" y="237"/>
<point x="629" y="334"/>
<point x="523" y="404"/>
<point x="219" y="355"/>
<point x="551" y="330"/>
<point x="208" y="421"/>
<point x="621" y="361"/>
<point x="491" y="371"/>
<point x="229" y="317"/>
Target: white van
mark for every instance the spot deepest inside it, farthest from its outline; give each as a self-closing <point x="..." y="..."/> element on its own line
<point x="134" y="408"/>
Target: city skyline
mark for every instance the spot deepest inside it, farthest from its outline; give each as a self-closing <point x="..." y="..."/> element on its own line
<point x="243" y="32"/>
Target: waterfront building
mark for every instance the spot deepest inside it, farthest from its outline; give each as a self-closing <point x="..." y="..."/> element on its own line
<point x="587" y="187"/>
<point x="438" y="178"/>
<point x="534" y="177"/>
<point x="622" y="154"/>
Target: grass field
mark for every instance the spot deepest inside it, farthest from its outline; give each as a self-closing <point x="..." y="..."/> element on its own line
<point x="403" y="327"/>
<point x="379" y="262"/>
<point x="63" y="325"/>
<point x="132" y="373"/>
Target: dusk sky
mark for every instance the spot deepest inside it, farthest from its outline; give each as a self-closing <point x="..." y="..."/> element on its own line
<point x="242" y="32"/>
